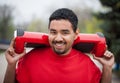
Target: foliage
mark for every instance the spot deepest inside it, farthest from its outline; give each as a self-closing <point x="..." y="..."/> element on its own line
<point x="92" y="26"/>
<point x="37" y="25"/>
<point x="87" y="22"/>
<point x="6" y="23"/>
<point x="111" y="25"/>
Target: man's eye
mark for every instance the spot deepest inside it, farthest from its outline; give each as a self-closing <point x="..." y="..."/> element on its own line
<point x="65" y="32"/>
<point x="52" y="32"/>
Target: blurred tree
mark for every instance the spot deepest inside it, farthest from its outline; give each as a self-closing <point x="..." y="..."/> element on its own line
<point x="87" y="22"/>
<point x="37" y="25"/>
<point x="92" y="25"/>
<point x="6" y="23"/>
<point x="83" y="16"/>
<point x="111" y="26"/>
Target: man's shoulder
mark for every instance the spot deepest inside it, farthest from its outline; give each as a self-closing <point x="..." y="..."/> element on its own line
<point x="88" y="58"/>
<point x="37" y="52"/>
<point x="82" y="54"/>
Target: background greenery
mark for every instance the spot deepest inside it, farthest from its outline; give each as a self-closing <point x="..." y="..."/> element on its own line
<point x="111" y="26"/>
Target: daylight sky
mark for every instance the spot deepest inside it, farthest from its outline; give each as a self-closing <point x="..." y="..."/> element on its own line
<point x="25" y="10"/>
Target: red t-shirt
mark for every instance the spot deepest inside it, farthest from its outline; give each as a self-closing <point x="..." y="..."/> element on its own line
<point x="44" y="66"/>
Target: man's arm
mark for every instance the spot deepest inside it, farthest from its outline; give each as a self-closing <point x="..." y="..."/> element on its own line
<point x="106" y="75"/>
<point x="10" y="74"/>
<point x="12" y="59"/>
<point x="107" y="62"/>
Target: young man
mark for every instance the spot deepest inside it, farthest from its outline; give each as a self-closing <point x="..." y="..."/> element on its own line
<point x="59" y="63"/>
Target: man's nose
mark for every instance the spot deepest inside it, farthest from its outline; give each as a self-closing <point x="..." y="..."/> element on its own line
<point x="59" y="37"/>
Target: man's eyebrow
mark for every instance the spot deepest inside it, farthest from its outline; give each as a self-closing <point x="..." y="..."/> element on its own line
<point x="52" y="30"/>
<point x="65" y="30"/>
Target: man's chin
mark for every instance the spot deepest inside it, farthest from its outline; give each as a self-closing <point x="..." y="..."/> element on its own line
<point x="59" y="52"/>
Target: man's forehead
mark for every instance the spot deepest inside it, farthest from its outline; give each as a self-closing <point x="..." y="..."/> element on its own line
<point x="52" y="29"/>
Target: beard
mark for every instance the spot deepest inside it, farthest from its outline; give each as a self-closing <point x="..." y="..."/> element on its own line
<point x="59" y="51"/>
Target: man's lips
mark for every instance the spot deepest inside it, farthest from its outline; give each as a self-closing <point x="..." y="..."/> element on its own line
<point x="59" y="45"/>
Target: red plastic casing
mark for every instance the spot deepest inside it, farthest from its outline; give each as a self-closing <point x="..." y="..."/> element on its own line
<point x="91" y="43"/>
<point x="30" y="38"/>
<point x="88" y="43"/>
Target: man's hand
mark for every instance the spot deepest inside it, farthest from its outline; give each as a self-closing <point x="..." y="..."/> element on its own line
<point x="10" y="54"/>
<point x="107" y="59"/>
<point x="12" y="59"/>
<point x="107" y="62"/>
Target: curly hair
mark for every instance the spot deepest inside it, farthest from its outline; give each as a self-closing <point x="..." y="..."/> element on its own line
<point x="66" y="14"/>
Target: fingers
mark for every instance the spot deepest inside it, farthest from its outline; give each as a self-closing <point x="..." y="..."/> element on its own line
<point x="10" y="54"/>
<point x="10" y="51"/>
<point x="108" y="54"/>
<point x="12" y="42"/>
<point x="13" y="57"/>
<point x="107" y="60"/>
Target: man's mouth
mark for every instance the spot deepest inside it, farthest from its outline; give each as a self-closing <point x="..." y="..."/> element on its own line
<point x="59" y="45"/>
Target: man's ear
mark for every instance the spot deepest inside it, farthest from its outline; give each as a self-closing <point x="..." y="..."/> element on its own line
<point x="76" y="33"/>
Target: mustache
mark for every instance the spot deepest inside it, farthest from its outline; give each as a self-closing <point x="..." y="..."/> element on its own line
<point x="60" y="42"/>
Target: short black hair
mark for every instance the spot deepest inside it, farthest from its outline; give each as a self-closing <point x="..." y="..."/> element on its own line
<point x="67" y="14"/>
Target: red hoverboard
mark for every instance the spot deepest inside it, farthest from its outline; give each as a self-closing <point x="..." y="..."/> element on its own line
<point x="87" y="43"/>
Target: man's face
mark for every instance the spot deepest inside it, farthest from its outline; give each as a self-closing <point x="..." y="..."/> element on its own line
<point x="61" y="36"/>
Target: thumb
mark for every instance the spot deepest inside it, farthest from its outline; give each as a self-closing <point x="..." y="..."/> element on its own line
<point x="97" y="58"/>
<point x="18" y="56"/>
